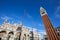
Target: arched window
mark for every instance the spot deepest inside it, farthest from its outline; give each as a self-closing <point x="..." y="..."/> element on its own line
<point x="2" y="33"/>
<point x="28" y="37"/>
<point x="24" y="36"/>
<point x="0" y="39"/>
<point x="9" y="35"/>
<point x="11" y="32"/>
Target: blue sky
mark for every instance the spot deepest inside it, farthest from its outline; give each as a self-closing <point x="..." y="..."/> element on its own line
<point x="13" y="10"/>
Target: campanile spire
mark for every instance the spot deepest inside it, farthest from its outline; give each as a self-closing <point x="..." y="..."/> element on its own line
<point x="51" y="33"/>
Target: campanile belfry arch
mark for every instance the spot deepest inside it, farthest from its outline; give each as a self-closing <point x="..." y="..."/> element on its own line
<point x="51" y="33"/>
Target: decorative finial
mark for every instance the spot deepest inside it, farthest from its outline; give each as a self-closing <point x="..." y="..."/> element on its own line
<point x="6" y="21"/>
<point x="42" y="11"/>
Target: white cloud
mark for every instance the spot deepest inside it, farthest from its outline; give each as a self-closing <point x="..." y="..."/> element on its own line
<point x="57" y="12"/>
<point x="40" y="24"/>
<point x="42" y="32"/>
<point x="29" y="16"/>
<point x="5" y="17"/>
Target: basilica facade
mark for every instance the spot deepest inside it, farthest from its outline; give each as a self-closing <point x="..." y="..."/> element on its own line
<point x="12" y="31"/>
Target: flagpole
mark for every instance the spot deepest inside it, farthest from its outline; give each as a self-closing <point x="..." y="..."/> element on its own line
<point x="22" y="25"/>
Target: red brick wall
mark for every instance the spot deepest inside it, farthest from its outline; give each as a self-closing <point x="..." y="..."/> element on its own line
<point x="51" y="33"/>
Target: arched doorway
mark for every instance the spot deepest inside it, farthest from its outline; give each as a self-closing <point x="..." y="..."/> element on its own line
<point x="24" y="36"/>
<point x="0" y="39"/>
<point x="10" y="35"/>
<point x="2" y="34"/>
<point x="17" y="36"/>
<point x="28" y="37"/>
<point x="19" y="33"/>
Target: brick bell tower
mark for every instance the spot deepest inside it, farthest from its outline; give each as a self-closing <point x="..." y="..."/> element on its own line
<point x="51" y="33"/>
